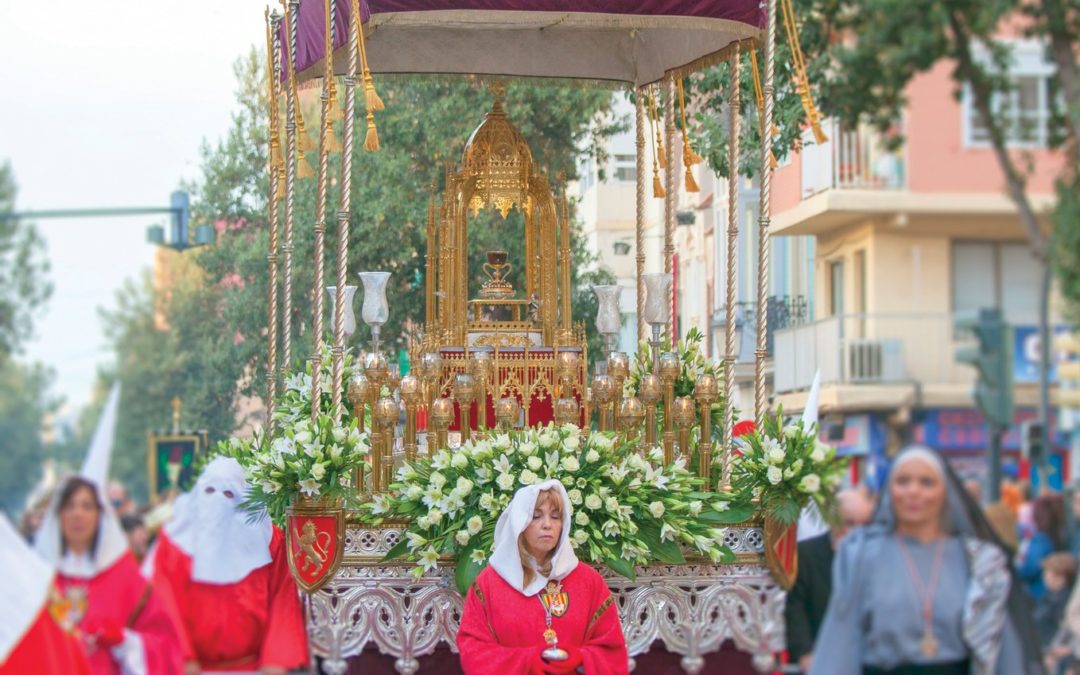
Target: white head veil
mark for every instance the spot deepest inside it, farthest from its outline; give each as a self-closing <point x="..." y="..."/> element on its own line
<point x="212" y="528"/>
<point x="24" y="587"/>
<point x="506" y="560"/>
<point x="111" y="541"/>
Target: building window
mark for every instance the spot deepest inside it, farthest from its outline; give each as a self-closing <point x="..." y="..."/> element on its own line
<point x="836" y="288"/>
<point x="1024" y="110"/>
<point x="625" y="167"/>
<point x="585" y="173"/>
<point x="996" y="274"/>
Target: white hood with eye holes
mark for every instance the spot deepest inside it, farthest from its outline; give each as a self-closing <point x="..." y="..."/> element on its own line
<point x="209" y="525"/>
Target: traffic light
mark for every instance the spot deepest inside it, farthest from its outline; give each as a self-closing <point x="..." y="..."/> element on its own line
<point x="1031" y="440"/>
<point x="180" y="203"/>
<point x="992" y="358"/>
<point x="1068" y="372"/>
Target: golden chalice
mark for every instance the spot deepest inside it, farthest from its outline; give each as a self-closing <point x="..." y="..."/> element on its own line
<point x="497" y="287"/>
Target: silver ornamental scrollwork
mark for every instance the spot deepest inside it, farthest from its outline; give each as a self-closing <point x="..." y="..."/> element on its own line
<point x="693" y="608"/>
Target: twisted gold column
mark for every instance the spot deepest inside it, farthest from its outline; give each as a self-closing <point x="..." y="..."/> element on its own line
<point x="292" y="143"/>
<point x="326" y="130"/>
<point x="275" y="172"/>
<point x="764" y="220"/>
<point x="731" y="260"/>
<point x="671" y="198"/>
<point x="639" y="218"/>
<point x="344" y="208"/>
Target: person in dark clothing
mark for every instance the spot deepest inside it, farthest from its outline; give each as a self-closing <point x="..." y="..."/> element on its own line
<point x="809" y="597"/>
<point x="1059" y="573"/>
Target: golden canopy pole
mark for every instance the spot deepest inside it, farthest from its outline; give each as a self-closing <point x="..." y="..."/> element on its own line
<point x="564" y="259"/>
<point x="326" y="132"/>
<point x="345" y="206"/>
<point x="671" y="196"/>
<point x="292" y="144"/>
<point x="731" y="262"/>
<point x="429" y="264"/>
<point x="639" y="217"/>
<point x="764" y="220"/>
<point x="275" y="171"/>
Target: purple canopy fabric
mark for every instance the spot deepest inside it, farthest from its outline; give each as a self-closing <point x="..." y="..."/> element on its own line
<point x="612" y="40"/>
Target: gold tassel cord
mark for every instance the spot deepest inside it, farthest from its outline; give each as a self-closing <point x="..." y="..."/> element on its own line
<point x="372" y="102"/>
<point x="658" y="136"/>
<point x="328" y="138"/>
<point x="277" y="161"/>
<point x="802" y="79"/>
<point x="688" y="154"/>
<point x="759" y="101"/>
<point x="304" y="142"/>
<point x="657" y="185"/>
<point x="371" y="142"/>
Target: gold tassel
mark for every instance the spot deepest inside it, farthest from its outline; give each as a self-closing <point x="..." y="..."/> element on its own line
<point x="333" y="145"/>
<point x="371" y="97"/>
<point x="689" y="156"/>
<point x="335" y="109"/>
<point x="303" y="169"/>
<point x="657" y="188"/>
<point x="691" y="184"/>
<point x="660" y="151"/>
<point x="281" y="183"/>
<point x="304" y="141"/>
<point x="371" y="143"/>
<point x="802" y="80"/>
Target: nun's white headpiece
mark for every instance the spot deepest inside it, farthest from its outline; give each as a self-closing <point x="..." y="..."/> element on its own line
<point x="111" y="541"/>
<point x="506" y="560"/>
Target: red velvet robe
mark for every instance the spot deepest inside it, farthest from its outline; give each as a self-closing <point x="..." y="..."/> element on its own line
<point x="120" y="596"/>
<point x="47" y="649"/>
<point x="502" y="631"/>
<point x="254" y="623"/>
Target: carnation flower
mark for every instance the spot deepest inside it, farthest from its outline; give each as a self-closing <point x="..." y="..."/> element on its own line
<point x="434" y="515"/>
<point x="611" y="504"/>
<point x="774" y="474"/>
<point x="546" y="440"/>
<point x="593" y="502"/>
<point x="810" y="483"/>
<point x="570" y="464"/>
<point x="414" y="492"/>
<point x="656" y="509"/>
<point x="437" y="480"/>
<point x="527" y="448"/>
<point x="505" y="481"/>
<point x="502" y="442"/>
<point x="487" y="501"/>
<point x="582" y="519"/>
<point x="572" y="442"/>
<point x="475" y="524"/>
<point x="535" y="463"/>
<point x="575" y="496"/>
<point x="464" y="486"/>
<point x="462" y="537"/>
<point x="459" y="460"/>
<point x="818" y="455"/>
<point x="580" y="537"/>
<point x="695" y="508"/>
<point x="528" y="477"/>
<point x="775" y="455"/>
<point x="592" y="456"/>
<point x="318" y="471"/>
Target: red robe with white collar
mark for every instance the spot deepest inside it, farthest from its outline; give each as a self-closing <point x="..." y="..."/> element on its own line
<point x="251" y="624"/>
<point x="47" y="649"/>
<point x="502" y="631"/>
<point x="120" y="599"/>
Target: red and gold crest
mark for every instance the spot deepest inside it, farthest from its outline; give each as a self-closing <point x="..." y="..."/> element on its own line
<point x="782" y="552"/>
<point x="316" y="540"/>
<point x="555" y="599"/>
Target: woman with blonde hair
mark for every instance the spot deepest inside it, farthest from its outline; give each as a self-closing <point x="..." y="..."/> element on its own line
<point x="536" y="609"/>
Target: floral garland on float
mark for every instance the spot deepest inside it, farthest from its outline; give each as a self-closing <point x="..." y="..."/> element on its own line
<point x="629" y="509"/>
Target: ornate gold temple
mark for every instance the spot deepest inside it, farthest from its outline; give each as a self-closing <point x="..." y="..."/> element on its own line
<point x="497" y="172"/>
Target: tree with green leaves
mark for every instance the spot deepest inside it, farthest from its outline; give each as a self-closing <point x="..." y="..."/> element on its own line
<point x="24" y="284"/>
<point x="206" y="340"/>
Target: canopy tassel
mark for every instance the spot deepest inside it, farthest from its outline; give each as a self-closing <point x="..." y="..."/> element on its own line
<point x="372" y="101"/>
<point x="657" y="184"/>
<point x="802" y="79"/>
<point x="371" y="142"/>
<point x="759" y="101"/>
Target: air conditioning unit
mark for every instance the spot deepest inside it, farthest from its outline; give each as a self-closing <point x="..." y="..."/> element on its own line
<point x="876" y="361"/>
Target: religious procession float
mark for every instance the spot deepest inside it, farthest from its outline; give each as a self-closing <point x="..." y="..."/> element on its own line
<point x="389" y="486"/>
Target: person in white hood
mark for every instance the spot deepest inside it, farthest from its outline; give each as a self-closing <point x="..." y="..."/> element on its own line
<point x="535" y="594"/>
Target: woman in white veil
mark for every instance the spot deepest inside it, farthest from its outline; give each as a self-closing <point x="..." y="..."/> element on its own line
<point x="925" y="588"/>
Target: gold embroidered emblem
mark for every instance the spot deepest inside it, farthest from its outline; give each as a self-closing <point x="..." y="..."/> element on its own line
<point x="68" y="608"/>
<point x="555" y="599"/>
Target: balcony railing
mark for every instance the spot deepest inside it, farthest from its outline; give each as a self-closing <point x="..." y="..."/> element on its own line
<point x="851" y="159"/>
<point x="785" y="311"/>
<point x="870" y="349"/>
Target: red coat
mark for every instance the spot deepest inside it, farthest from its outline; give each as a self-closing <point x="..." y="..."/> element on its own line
<point x="119" y="599"/>
<point x="254" y="623"/>
<point x="502" y="631"/>
<point x="47" y="649"/>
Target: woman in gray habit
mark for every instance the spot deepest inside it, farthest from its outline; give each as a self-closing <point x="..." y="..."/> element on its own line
<point x="925" y="589"/>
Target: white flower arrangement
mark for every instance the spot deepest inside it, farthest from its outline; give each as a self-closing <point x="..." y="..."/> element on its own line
<point x="628" y="510"/>
<point x="787" y="467"/>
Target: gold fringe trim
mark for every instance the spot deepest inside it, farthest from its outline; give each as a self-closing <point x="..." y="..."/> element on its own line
<point x="371" y="143"/>
<point x="599" y="613"/>
<point x="303" y="169"/>
<point x="691" y="184"/>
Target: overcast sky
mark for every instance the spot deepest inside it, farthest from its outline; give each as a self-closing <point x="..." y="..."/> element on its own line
<point x="106" y="104"/>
